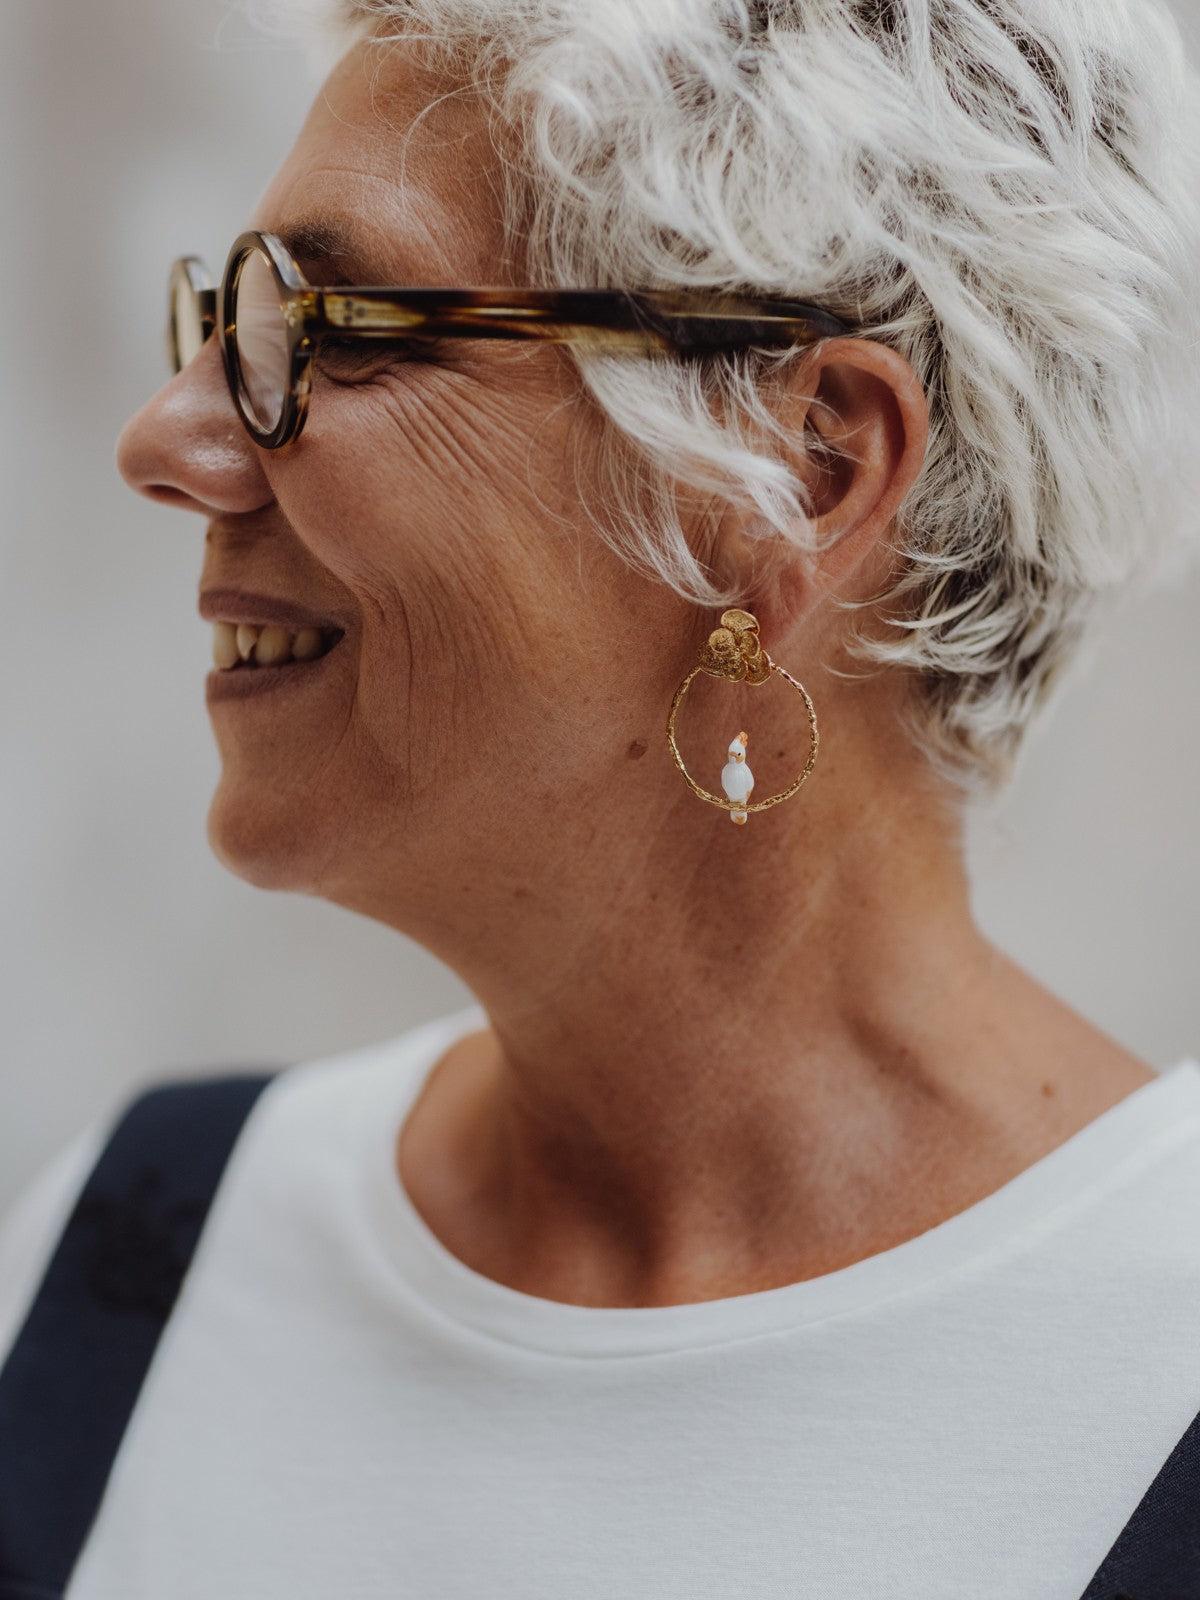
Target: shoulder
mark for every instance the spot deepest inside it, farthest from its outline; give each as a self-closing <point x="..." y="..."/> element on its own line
<point x="320" y="1108"/>
<point x="301" y="1138"/>
<point x="30" y="1231"/>
<point x="1136" y="1212"/>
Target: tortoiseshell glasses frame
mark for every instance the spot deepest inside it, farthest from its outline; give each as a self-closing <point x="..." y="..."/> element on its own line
<point x="270" y="322"/>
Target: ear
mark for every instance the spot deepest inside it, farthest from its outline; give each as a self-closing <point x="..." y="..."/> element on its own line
<point x="858" y="408"/>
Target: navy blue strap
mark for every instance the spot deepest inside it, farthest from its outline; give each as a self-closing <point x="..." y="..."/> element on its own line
<point x="76" y="1369"/>
<point x="1157" y="1554"/>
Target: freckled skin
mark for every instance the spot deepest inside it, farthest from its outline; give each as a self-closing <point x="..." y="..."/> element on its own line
<point x="721" y="1058"/>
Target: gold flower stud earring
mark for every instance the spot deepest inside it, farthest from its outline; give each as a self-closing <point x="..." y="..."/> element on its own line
<point x="734" y="652"/>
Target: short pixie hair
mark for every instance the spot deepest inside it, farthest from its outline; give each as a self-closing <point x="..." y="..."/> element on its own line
<point x="1004" y="191"/>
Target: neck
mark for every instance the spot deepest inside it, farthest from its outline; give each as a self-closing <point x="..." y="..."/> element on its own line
<point x="714" y="1068"/>
<point x="727" y="1058"/>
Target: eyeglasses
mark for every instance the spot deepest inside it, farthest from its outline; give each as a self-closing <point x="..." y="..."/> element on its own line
<point x="270" y="322"/>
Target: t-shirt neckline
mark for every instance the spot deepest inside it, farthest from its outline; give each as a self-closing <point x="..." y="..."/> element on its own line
<point x="1160" y="1113"/>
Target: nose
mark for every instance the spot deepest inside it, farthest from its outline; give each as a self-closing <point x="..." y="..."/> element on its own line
<point x="186" y="446"/>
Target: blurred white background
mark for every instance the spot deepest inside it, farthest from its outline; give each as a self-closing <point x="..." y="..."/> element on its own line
<point x="140" y="130"/>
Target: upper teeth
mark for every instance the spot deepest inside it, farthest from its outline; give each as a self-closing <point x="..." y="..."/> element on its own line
<point x="264" y="647"/>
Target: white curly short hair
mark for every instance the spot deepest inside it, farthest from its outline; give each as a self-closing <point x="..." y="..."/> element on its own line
<point x="1005" y="191"/>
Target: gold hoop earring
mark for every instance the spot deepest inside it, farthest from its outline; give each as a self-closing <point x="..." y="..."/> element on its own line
<point x="735" y="653"/>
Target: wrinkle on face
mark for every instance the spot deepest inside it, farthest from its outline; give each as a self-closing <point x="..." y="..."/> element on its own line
<point x="440" y="503"/>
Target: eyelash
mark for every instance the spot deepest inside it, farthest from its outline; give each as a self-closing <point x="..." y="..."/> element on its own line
<point x="359" y="353"/>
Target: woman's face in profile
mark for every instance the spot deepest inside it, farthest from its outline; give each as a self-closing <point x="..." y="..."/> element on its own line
<point x="431" y="510"/>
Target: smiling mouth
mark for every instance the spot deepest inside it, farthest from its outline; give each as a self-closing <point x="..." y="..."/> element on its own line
<point x="243" y="646"/>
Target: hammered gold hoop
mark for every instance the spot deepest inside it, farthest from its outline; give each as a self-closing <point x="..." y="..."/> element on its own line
<point x="733" y="652"/>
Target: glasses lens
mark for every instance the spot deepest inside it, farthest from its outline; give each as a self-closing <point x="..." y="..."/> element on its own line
<point x="187" y="325"/>
<point x="260" y="330"/>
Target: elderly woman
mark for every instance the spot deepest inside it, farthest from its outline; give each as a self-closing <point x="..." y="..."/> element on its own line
<point x="795" y="382"/>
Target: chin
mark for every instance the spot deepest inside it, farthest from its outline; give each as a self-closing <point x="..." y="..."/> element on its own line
<point x="271" y="847"/>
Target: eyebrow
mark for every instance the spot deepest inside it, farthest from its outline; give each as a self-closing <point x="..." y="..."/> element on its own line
<point x="324" y="244"/>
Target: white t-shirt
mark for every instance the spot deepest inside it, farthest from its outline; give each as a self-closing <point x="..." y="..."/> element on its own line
<point x="340" y="1409"/>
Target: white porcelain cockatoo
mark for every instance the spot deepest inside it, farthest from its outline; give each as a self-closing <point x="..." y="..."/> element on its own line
<point x="736" y="778"/>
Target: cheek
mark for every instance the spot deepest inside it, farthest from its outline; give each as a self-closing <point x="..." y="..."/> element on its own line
<point x="426" y="499"/>
<point x="426" y="479"/>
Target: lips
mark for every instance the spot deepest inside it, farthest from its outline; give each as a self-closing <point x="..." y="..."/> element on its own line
<point x="261" y="641"/>
<point x="261" y="610"/>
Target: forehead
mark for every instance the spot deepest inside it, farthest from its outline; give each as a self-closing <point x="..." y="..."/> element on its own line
<point x="392" y="178"/>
